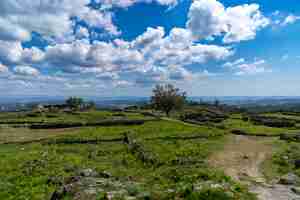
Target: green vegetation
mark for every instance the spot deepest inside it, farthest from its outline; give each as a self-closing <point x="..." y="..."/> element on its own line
<point x="161" y="158"/>
<point x="250" y="128"/>
<point x="167" y="98"/>
<point x="35" y="170"/>
<point x="283" y="160"/>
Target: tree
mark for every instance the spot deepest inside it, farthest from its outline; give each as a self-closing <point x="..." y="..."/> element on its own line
<point x="217" y="103"/>
<point x="167" y="98"/>
<point x="91" y="105"/>
<point x="74" y="103"/>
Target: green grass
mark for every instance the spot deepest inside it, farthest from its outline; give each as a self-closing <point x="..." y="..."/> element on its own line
<point x="25" y="169"/>
<point x="12" y="135"/>
<point x="61" y="117"/>
<point x="282" y="160"/>
<point x="285" y="116"/>
<point x="250" y="128"/>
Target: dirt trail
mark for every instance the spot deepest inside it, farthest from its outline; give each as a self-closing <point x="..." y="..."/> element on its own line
<point x="242" y="158"/>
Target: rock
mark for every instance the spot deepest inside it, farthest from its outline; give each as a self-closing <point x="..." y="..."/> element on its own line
<point x="130" y="198"/>
<point x="55" y="180"/>
<point x="145" y="196"/>
<point x="289" y="179"/>
<point x="297" y="164"/>
<point x="105" y="174"/>
<point x="230" y="194"/>
<point x="238" y="132"/>
<point x="216" y="185"/>
<point x="88" y="173"/>
<point x="296" y="190"/>
<point x="285" y="157"/>
<point x="58" y="194"/>
<point x="260" y="180"/>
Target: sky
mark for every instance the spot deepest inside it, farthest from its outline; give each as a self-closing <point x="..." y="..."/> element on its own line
<point x="111" y="48"/>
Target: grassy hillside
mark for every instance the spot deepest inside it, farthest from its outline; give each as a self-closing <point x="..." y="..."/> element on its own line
<point x="158" y="159"/>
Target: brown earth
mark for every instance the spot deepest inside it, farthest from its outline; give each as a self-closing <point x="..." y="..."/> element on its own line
<point x="242" y="158"/>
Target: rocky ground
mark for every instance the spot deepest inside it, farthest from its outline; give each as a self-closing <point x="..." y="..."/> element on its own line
<point x="242" y="158"/>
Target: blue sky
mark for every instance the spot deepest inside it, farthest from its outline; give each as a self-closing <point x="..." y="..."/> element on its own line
<point x="125" y="47"/>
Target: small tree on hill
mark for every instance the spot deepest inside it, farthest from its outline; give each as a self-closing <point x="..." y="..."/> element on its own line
<point x="91" y="105"/>
<point x="167" y="98"/>
<point x="74" y="103"/>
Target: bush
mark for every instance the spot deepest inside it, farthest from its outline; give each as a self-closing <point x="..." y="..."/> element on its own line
<point x="34" y="114"/>
<point x="203" y="117"/>
<point x="80" y="124"/>
<point x="210" y="194"/>
<point x="239" y="132"/>
<point x="272" y="121"/>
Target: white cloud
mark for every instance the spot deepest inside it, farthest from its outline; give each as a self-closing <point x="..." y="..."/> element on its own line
<point x="82" y="32"/>
<point x="290" y="19"/>
<point x="234" y="63"/>
<point x="13" y="53"/>
<point x="152" y="57"/>
<point x="209" y="18"/>
<point x="3" y="69"/>
<point x="26" y="71"/>
<point x="51" y="19"/>
<point x="108" y="4"/>
<point x="280" y="19"/>
<point x="151" y="54"/>
<point x="12" y="32"/>
<point x="96" y="18"/>
<point x="241" y="67"/>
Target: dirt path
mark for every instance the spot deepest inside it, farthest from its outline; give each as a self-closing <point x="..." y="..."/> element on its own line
<point x="242" y="158"/>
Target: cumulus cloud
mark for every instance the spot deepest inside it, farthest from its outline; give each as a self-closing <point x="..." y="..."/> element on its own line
<point x="82" y="32"/>
<point x="241" y="67"/>
<point x="26" y="71"/>
<point x="290" y="19"/>
<point x="51" y="19"/>
<point x="281" y="19"/>
<point x="151" y="54"/>
<point x="12" y="52"/>
<point x="96" y="18"/>
<point x="54" y="19"/>
<point x="108" y="4"/>
<point x="3" y="68"/>
<point x="152" y="57"/>
<point x="209" y="18"/>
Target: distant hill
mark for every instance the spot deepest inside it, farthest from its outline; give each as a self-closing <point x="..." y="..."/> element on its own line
<point x="13" y="103"/>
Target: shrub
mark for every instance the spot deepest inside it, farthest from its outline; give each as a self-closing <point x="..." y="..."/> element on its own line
<point x="272" y="121"/>
<point x="120" y="122"/>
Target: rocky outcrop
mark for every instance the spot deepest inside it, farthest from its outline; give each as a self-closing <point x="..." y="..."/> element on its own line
<point x="297" y="164"/>
<point x="289" y="179"/>
<point x="291" y="137"/>
<point x="272" y="121"/>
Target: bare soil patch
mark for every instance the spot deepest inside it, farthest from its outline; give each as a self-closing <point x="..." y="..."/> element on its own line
<point x="242" y="159"/>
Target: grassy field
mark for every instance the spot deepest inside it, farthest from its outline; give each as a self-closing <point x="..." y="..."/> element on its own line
<point x="251" y="129"/>
<point x="181" y="161"/>
<point x="91" y="116"/>
<point x="164" y="159"/>
<point x="235" y="122"/>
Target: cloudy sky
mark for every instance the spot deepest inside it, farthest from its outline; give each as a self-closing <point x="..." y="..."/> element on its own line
<point x="125" y="47"/>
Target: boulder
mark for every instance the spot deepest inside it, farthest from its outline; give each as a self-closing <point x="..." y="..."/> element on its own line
<point x="297" y="164"/>
<point x="296" y="190"/>
<point x="58" y="194"/>
<point x="289" y="179"/>
<point x="295" y="137"/>
<point x="238" y="132"/>
<point x="105" y="174"/>
<point x="88" y="173"/>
